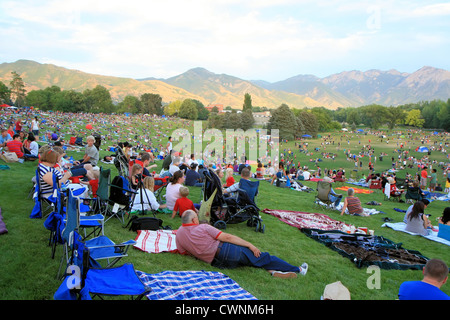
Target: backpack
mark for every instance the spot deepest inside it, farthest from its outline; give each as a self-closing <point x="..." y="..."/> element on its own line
<point x="144" y="223"/>
<point x="119" y="194"/>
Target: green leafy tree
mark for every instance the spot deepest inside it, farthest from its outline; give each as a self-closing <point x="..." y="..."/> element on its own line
<point x="5" y="93"/>
<point x="98" y="100"/>
<point x="215" y="120"/>
<point x="234" y="121"/>
<point x="414" y="118"/>
<point x="353" y="117"/>
<point x="247" y="119"/>
<point x="151" y="103"/>
<point x="310" y="123"/>
<point x="130" y="104"/>
<point x="247" y="102"/>
<point x="173" y="108"/>
<point x="284" y="120"/>
<point x="188" y="110"/>
<point x="373" y="115"/>
<point x="323" y="118"/>
<point x="38" y="99"/>
<point x="394" y="116"/>
<point x="18" y="91"/>
<point x="202" y="112"/>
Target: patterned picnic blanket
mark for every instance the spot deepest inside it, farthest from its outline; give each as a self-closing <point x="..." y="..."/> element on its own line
<point x="156" y="241"/>
<point x="307" y="220"/>
<point x="193" y="285"/>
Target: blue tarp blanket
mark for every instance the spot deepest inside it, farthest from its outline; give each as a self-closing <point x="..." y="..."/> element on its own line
<point x="193" y="285"/>
<point x="433" y="234"/>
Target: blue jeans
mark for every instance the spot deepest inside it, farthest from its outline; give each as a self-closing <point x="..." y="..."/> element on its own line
<point x="232" y="256"/>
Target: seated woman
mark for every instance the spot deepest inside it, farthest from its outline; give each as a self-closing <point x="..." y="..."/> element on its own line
<point x="281" y="174"/>
<point x="353" y="204"/>
<point x="173" y="189"/>
<point x="47" y="170"/>
<point x="445" y="219"/>
<point x="444" y="224"/>
<point x="339" y="176"/>
<point x="417" y="221"/>
<point x="146" y="199"/>
<point x="31" y="148"/>
<point x="260" y="171"/>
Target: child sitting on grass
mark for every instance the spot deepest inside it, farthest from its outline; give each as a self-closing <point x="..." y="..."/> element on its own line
<point x="184" y="203"/>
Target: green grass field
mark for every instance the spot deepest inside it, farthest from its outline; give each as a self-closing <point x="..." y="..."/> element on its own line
<point x="29" y="273"/>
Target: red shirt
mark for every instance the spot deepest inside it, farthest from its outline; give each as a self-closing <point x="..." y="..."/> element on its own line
<point x="183" y="204"/>
<point x="15" y="146"/>
<point x="199" y="240"/>
<point x="424" y="174"/>
<point x="229" y="182"/>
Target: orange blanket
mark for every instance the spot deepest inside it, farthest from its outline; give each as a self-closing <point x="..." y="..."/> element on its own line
<point x="356" y="190"/>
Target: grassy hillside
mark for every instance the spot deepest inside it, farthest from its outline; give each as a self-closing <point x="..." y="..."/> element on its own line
<point x="40" y="76"/>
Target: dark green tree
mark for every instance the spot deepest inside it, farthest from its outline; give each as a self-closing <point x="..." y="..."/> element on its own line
<point x="151" y="103"/>
<point x="5" y="93"/>
<point x="284" y="120"/>
<point x="247" y="102"/>
<point x="18" y="92"/>
<point x="98" y="100"/>
<point x="188" y="110"/>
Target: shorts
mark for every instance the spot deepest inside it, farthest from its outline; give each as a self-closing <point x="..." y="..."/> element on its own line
<point x="423" y="182"/>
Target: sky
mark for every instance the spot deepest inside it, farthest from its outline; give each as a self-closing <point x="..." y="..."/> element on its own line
<point x="252" y="40"/>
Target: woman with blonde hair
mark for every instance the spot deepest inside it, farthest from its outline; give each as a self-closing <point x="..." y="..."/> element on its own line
<point x="145" y="198"/>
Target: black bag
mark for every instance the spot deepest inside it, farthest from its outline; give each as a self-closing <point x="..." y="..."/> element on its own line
<point x="144" y="223"/>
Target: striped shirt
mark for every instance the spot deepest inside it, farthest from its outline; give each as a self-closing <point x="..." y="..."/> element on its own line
<point x="15" y="146"/>
<point x="43" y="169"/>
<point x="354" y="205"/>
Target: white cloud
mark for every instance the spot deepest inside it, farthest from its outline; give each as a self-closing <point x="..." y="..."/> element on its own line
<point x="264" y="39"/>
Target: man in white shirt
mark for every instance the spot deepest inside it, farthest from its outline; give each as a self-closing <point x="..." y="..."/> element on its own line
<point x="306" y="175"/>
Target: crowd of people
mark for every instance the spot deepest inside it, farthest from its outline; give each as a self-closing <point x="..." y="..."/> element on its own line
<point x="202" y="240"/>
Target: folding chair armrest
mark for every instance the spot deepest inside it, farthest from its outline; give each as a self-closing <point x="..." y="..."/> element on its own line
<point x="121" y="247"/>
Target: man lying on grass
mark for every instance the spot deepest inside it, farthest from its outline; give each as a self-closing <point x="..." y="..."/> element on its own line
<point x="224" y="250"/>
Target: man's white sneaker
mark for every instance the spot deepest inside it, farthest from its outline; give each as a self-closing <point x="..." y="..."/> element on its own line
<point x="303" y="269"/>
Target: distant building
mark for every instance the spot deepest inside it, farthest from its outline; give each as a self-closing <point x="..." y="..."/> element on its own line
<point x="218" y="106"/>
<point x="261" y="117"/>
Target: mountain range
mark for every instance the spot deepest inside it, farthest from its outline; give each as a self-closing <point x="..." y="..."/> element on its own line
<point x="345" y="89"/>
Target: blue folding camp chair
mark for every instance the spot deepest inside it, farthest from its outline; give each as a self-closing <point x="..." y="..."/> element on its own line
<point x="85" y="280"/>
<point x="56" y="220"/>
<point x="250" y="188"/>
<point x="44" y="203"/>
<point x="101" y="248"/>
